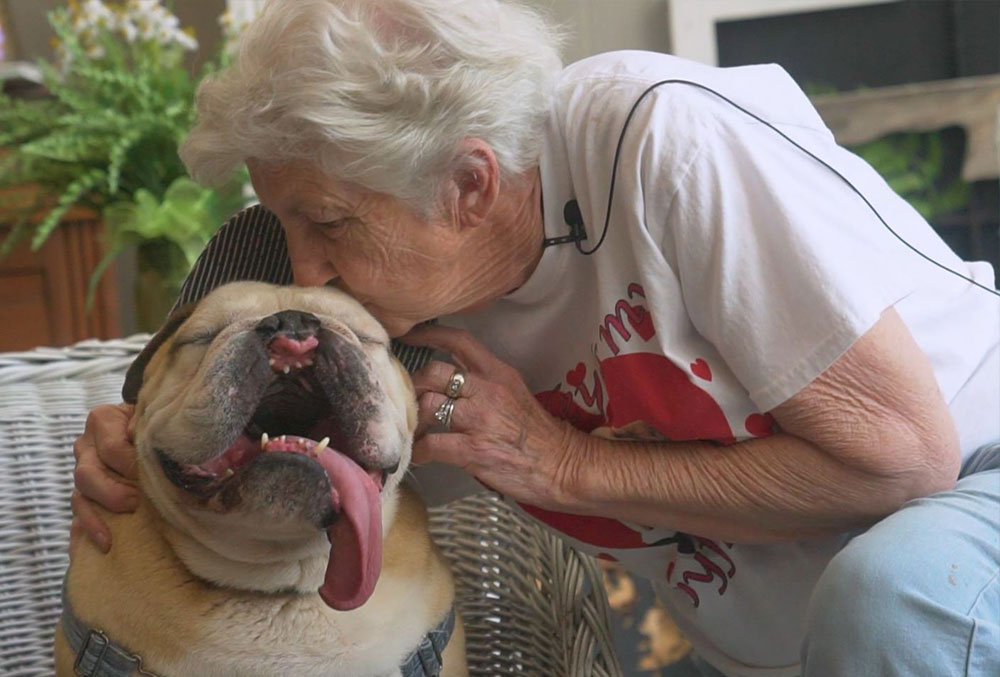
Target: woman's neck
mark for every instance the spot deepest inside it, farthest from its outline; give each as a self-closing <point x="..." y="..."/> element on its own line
<point x="523" y="229"/>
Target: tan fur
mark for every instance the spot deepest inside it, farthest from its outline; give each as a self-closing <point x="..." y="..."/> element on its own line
<point x="144" y="595"/>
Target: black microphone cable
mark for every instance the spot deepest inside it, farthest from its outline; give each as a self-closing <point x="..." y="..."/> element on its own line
<point x="578" y="234"/>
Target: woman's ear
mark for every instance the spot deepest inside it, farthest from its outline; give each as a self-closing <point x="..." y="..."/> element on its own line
<point x="475" y="182"/>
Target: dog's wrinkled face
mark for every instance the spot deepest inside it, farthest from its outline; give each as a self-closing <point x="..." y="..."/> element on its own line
<point x="273" y="415"/>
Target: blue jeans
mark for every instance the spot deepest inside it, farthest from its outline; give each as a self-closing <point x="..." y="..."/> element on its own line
<point x="916" y="595"/>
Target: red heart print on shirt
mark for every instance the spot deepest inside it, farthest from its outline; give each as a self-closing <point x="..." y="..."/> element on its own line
<point x="701" y="369"/>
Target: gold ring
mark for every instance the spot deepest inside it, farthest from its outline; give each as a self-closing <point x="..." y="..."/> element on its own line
<point x="444" y="412"/>
<point x="455" y="384"/>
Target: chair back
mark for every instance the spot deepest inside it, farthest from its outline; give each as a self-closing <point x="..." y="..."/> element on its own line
<point x="531" y="605"/>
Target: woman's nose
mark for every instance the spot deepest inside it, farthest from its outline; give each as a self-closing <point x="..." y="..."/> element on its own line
<point x="310" y="266"/>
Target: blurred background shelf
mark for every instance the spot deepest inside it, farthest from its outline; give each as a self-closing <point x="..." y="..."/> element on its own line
<point x="43" y="294"/>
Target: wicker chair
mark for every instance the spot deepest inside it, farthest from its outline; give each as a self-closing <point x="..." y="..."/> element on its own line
<point x="532" y="606"/>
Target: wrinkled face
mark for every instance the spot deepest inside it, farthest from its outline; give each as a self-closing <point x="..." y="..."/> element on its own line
<point x="278" y="415"/>
<point x="403" y="267"/>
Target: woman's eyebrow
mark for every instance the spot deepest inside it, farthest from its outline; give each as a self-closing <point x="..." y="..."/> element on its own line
<point x="325" y="207"/>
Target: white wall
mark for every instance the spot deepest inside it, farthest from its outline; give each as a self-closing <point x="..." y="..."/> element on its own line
<point x="594" y="25"/>
<point x="604" y="25"/>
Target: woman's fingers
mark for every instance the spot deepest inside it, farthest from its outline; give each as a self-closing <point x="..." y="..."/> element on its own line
<point x="97" y="479"/>
<point x="498" y="431"/>
<point x="87" y="520"/>
<point x="467" y="351"/>
<point x="102" y="486"/>
<point x="434" y="377"/>
<point x="111" y="428"/>
<point x="105" y="464"/>
<point x="428" y="405"/>
<point x="447" y="448"/>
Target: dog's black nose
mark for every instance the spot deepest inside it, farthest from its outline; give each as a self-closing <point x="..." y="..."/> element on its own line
<point x="295" y="324"/>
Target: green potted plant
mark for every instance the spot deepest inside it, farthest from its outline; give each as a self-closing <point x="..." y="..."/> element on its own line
<point x="121" y="102"/>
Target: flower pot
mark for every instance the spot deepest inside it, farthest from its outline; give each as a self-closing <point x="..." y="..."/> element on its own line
<point x="161" y="269"/>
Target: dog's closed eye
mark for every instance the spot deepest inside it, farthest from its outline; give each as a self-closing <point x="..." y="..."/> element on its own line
<point x="197" y="338"/>
<point x="364" y="338"/>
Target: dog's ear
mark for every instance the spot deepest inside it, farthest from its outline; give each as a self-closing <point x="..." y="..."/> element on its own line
<point x="134" y="375"/>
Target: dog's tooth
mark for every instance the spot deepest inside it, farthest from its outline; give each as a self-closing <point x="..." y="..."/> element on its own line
<point x="229" y="472"/>
<point x="298" y="365"/>
<point x="282" y="438"/>
<point x="263" y="440"/>
<point x="321" y="445"/>
<point x="271" y="361"/>
<point x="286" y="369"/>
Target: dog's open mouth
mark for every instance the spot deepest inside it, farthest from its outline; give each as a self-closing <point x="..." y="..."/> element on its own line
<point x="295" y="416"/>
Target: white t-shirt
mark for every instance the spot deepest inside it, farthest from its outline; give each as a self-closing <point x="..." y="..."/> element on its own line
<point x="734" y="271"/>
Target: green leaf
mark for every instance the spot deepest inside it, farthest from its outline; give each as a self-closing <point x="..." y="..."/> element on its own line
<point x="108" y="137"/>
<point x="72" y="193"/>
<point x="95" y="277"/>
<point x="953" y="198"/>
<point x="16" y="234"/>
<point x="117" y="157"/>
<point x="913" y="165"/>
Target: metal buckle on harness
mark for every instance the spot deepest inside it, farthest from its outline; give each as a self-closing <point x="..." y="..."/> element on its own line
<point x="84" y="650"/>
<point x="103" y="644"/>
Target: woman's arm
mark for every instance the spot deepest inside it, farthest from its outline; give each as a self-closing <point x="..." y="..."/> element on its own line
<point x="871" y="432"/>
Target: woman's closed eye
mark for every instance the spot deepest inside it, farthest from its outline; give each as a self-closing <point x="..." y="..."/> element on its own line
<point x="333" y="226"/>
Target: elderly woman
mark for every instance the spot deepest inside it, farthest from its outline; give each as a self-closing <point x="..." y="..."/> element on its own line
<point x="688" y="345"/>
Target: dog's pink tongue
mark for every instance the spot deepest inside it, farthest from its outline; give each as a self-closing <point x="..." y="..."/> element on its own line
<point x="356" y="537"/>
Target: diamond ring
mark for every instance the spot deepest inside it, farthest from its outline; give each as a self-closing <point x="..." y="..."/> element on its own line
<point x="444" y="412"/>
<point x="455" y="384"/>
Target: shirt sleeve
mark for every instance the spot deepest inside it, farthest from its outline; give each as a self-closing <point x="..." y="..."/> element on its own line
<point x="782" y="266"/>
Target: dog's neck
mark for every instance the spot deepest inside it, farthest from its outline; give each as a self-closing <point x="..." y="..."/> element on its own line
<point x="302" y="572"/>
<point x="142" y="594"/>
<point x="260" y="566"/>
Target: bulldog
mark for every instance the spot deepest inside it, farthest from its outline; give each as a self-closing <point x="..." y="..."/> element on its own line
<point x="273" y="428"/>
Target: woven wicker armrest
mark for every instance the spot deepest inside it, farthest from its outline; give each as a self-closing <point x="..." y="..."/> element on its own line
<point x="531" y="605"/>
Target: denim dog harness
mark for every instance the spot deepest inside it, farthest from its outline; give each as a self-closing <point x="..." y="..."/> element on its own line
<point x="98" y="656"/>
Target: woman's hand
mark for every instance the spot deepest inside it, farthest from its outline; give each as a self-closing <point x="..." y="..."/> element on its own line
<point x="499" y="432"/>
<point x="105" y="472"/>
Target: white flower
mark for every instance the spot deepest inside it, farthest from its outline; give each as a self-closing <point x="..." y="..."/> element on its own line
<point x="186" y="41"/>
<point x="239" y="13"/>
<point x="243" y="12"/>
<point x="128" y="29"/>
<point x="142" y="20"/>
<point x="97" y="14"/>
<point x="148" y="20"/>
<point x="145" y="6"/>
<point x="95" y="51"/>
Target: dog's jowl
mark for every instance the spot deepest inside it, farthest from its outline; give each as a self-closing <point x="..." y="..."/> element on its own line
<point x="273" y="428"/>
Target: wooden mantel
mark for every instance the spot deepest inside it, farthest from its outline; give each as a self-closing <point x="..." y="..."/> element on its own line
<point x="972" y="103"/>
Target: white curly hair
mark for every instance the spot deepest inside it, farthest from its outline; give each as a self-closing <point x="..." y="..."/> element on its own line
<point x="380" y="93"/>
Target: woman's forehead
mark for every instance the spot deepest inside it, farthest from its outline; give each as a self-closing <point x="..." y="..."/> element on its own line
<point x="297" y="185"/>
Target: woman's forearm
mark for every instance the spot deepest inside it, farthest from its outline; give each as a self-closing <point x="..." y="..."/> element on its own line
<point x="762" y="490"/>
<point x="868" y="434"/>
